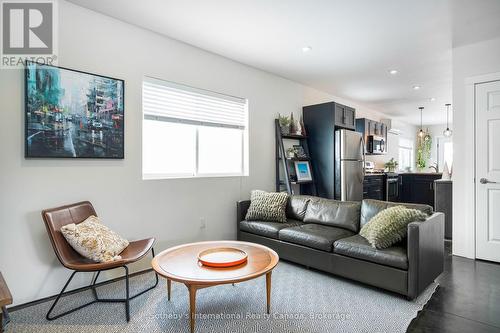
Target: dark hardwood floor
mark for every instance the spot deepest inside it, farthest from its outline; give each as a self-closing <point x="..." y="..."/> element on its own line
<point x="467" y="300"/>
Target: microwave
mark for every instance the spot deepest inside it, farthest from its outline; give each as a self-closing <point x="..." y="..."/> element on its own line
<point x="375" y="145"/>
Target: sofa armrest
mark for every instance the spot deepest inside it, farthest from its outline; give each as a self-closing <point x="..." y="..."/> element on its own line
<point x="241" y="210"/>
<point x="425" y="253"/>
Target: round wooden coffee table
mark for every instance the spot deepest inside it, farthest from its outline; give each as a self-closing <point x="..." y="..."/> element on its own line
<point x="181" y="264"/>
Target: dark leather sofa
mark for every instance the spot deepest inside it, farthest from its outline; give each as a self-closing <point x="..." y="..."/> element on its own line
<point x="323" y="234"/>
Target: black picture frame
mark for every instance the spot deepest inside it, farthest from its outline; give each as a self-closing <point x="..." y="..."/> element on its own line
<point x="98" y="138"/>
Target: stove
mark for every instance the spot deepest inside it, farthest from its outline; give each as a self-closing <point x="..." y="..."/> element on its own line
<point x="392" y="186"/>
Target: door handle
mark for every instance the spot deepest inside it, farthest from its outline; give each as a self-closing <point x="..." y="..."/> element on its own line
<point x="486" y="181"/>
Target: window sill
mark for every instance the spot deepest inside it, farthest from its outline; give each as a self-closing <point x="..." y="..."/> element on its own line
<point x="166" y="177"/>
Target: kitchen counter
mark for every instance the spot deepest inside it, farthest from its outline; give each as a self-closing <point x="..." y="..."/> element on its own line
<point x="371" y="174"/>
<point x="422" y="173"/>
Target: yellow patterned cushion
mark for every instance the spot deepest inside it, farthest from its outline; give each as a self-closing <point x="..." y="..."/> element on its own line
<point x="94" y="241"/>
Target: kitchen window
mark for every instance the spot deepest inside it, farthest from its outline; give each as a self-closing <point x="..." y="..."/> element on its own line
<point x="444" y="152"/>
<point x="190" y="132"/>
<point x="405" y="154"/>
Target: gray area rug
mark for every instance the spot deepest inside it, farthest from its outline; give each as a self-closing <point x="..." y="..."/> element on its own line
<point x="302" y="301"/>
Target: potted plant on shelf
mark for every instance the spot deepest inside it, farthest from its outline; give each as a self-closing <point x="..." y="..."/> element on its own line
<point x="292" y="124"/>
<point x="391" y="165"/>
<point x="290" y="153"/>
<point x="284" y="122"/>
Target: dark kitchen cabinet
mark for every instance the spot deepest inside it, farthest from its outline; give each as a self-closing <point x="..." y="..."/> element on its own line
<point x="443" y="198"/>
<point x="345" y="116"/>
<point x="417" y="188"/>
<point x="376" y="128"/>
<point x="383" y="131"/>
<point x="374" y="187"/>
<point x="369" y="127"/>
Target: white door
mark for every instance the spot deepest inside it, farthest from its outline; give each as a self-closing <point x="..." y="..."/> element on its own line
<point x="488" y="171"/>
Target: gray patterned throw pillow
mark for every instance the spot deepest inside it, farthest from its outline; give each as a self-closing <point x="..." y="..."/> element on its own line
<point x="390" y="225"/>
<point x="267" y="206"/>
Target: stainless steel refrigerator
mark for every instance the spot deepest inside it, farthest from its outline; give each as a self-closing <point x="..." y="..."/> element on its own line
<point x="349" y="165"/>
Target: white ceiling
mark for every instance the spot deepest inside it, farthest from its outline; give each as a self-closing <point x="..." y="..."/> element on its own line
<point x="354" y="42"/>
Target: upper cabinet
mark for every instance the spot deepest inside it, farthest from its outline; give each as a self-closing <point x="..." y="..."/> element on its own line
<point x="345" y="116"/>
<point x="342" y="116"/>
<point x="375" y="135"/>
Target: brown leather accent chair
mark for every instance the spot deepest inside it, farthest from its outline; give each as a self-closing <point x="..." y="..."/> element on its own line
<point x="54" y="219"/>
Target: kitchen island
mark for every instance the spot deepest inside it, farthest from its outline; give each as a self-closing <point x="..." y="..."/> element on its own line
<point x="413" y="187"/>
<point x="418" y="187"/>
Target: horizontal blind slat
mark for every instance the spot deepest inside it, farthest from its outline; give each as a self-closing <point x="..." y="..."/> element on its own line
<point x="191" y="103"/>
<point x="170" y="100"/>
<point x="190" y="111"/>
<point x="186" y="106"/>
<point x="190" y="90"/>
<point x="192" y="116"/>
<point x="165" y="90"/>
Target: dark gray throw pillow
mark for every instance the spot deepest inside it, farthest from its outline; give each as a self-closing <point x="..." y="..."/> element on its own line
<point x="267" y="206"/>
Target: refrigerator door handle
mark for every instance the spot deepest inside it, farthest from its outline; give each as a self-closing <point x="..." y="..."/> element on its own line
<point x="364" y="154"/>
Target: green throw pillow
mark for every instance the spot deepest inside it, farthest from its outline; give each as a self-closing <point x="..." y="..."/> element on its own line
<point x="267" y="206"/>
<point x="390" y="225"/>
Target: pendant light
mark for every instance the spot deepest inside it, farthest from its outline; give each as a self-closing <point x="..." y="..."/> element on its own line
<point x="447" y="132"/>
<point x="421" y="133"/>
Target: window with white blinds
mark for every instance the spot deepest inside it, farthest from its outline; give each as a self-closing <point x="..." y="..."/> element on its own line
<point x="405" y="157"/>
<point x="191" y="132"/>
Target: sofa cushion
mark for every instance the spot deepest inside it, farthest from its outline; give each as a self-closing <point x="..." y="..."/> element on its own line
<point x="266" y="229"/>
<point x="267" y="206"/>
<point x="343" y="214"/>
<point x="390" y="226"/>
<point x="296" y="206"/>
<point x="317" y="236"/>
<point x="358" y="247"/>
<point x="370" y="208"/>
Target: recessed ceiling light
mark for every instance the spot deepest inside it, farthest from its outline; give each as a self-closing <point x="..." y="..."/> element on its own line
<point x="393" y="71"/>
<point x="432" y="99"/>
<point x="306" y="49"/>
<point x="416" y="87"/>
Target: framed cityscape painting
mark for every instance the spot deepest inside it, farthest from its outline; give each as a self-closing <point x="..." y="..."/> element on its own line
<point x="72" y="114"/>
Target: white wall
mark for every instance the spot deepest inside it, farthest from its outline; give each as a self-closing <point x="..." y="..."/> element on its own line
<point x="469" y="60"/>
<point x="169" y="210"/>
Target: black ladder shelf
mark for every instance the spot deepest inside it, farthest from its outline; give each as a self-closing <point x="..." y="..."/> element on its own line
<point x="283" y="179"/>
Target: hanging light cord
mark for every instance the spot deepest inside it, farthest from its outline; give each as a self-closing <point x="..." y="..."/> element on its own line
<point x="421" y="112"/>
<point x="421" y="119"/>
<point x="447" y="116"/>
